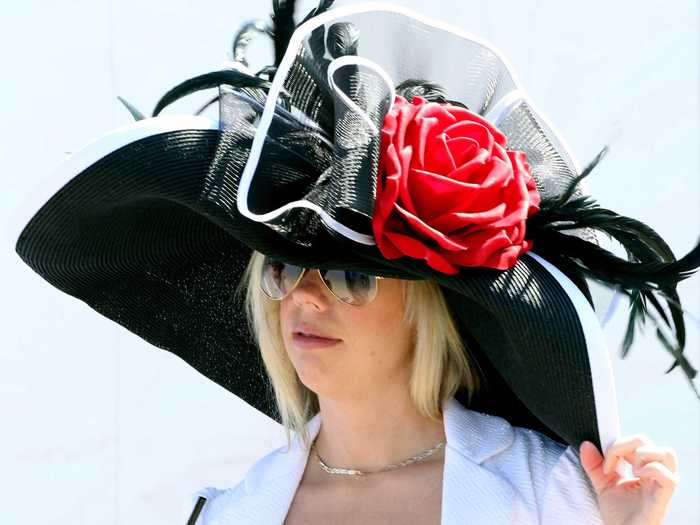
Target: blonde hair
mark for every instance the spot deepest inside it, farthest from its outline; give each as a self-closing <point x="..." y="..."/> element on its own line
<point x="441" y="363"/>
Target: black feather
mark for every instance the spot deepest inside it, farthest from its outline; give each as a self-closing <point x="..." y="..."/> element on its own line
<point x="283" y="26"/>
<point x="342" y="39"/>
<point x="317" y="44"/>
<point x="689" y="371"/>
<point x="213" y="79"/>
<point x="267" y="71"/>
<point x="244" y="37"/>
<point x="134" y="112"/>
<point x="430" y="91"/>
<point x="205" y="106"/>
<point x="651" y="268"/>
<point x="323" y="5"/>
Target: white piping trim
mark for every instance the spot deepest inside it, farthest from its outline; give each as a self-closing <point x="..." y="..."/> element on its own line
<point x="601" y="367"/>
<point x="504" y="107"/>
<point x="361" y="61"/>
<point x="89" y="154"/>
<point x="282" y="71"/>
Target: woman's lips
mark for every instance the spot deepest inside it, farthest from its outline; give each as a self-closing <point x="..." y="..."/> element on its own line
<point x="309" y="341"/>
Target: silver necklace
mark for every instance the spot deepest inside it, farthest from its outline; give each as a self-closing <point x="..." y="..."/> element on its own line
<point x="355" y="472"/>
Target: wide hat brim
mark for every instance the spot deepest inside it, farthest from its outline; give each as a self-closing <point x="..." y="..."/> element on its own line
<point x="128" y="226"/>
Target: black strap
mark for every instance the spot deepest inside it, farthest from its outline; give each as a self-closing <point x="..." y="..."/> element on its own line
<point x="197" y="509"/>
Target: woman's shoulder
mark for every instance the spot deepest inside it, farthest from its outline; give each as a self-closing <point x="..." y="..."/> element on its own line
<point x="220" y="501"/>
<point x="547" y="471"/>
<point x="215" y="501"/>
<point x="541" y="450"/>
<point x="514" y="449"/>
<point x="490" y="439"/>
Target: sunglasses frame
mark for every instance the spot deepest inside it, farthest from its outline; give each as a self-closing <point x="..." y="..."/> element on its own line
<point x="301" y="276"/>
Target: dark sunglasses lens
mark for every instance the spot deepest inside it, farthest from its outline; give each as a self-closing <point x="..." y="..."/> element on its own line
<point x="351" y="287"/>
<point x="278" y="278"/>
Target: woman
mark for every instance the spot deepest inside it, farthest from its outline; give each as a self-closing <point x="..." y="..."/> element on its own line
<point x="467" y="368"/>
<point x="368" y="441"/>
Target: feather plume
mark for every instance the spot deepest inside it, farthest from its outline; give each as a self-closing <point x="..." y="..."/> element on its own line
<point x="430" y="91"/>
<point x="244" y="37"/>
<point x="651" y="269"/>
<point x="283" y="26"/>
<point x="134" y="112"/>
<point x="323" y="6"/>
<point x="205" y="106"/>
<point x="213" y="79"/>
<point x="343" y="39"/>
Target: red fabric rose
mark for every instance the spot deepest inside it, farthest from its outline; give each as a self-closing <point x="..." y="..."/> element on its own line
<point x="448" y="191"/>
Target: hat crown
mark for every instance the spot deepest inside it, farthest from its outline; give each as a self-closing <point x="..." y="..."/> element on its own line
<point x="311" y="168"/>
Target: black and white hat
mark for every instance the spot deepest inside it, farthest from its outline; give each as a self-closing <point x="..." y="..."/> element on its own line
<point x="383" y="142"/>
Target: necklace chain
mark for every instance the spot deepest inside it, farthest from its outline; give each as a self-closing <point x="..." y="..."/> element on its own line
<point x="393" y="466"/>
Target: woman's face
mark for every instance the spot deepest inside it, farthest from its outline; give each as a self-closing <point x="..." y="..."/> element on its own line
<point x="375" y="347"/>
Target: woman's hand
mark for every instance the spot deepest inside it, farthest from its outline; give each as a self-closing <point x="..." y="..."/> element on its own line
<point x="640" y="500"/>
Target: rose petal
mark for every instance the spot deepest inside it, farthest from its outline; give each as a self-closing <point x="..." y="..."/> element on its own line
<point x="518" y="199"/>
<point x="387" y="247"/>
<point x="388" y="181"/>
<point x="516" y="216"/>
<point x="462" y="149"/>
<point x="504" y="259"/>
<point x="389" y="126"/>
<point x="449" y="223"/>
<point x="522" y="168"/>
<point x="404" y="116"/>
<point x="404" y="197"/>
<point x="422" y="228"/>
<point x="438" y="111"/>
<point x="474" y="130"/>
<point x="423" y="130"/>
<point x="517" y="158"/>
<point x="416" y="249"/>
<point x="483" y="170"/>
<point x="517" y="233"/>
<point x="436" y="194"/>
<point x="484" y="243"/>
<point x="429" y="121"/>
<point x="461" y="114"/>
<point x="438" y="158"/>
<point x="500" y="173"/>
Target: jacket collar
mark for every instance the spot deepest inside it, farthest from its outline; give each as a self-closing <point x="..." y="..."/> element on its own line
<point x="468" y="488"/>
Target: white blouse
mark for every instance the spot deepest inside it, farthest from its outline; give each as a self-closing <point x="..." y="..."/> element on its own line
<point x="494" y="474"/>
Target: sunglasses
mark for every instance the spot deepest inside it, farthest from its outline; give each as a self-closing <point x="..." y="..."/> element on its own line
<point x="353" y="288"/>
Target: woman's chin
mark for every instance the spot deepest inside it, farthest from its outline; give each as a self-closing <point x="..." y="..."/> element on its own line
<point x="317" y="381"/>
<point x="313" y="379"/>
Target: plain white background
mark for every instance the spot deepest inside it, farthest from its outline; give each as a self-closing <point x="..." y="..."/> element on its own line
<point x="100" y="427"/>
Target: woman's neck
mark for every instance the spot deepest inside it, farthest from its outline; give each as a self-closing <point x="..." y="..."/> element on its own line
<point x="373" y="432"/>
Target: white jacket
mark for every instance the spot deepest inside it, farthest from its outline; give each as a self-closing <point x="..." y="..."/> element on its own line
<point x="494" y="474"/>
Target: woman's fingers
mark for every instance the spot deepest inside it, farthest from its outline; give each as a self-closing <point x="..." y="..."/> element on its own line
<point x="592" y="461"/>
<point x="664" y="455"/>
<point x="659" y="472"/>
<point x="624" y="447"/>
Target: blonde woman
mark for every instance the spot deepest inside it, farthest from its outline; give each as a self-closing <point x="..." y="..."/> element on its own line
<point x="379" y="436"/>
<point x="379" y="242"/>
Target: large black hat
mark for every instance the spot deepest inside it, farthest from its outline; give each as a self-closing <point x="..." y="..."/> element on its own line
<point x="379" y="141"/>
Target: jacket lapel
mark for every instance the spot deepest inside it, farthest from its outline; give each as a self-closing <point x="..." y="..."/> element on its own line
<point x="471" y="492"/>
<point x="270" y="485"/>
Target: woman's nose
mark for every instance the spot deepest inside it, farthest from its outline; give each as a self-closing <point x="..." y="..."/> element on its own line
<point x="311" y="289"/>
